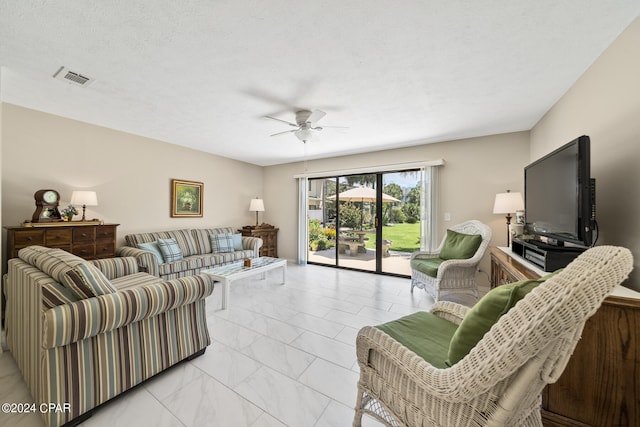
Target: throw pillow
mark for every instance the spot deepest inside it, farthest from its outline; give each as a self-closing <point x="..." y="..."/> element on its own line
<point x="170" y="250"/>
<point x="237" y="241"/>
<point x="485" y="313"/>
<point x="154" y="249"/>
<point x="222" y="242"/>
<point x="86" y="281"/>
<point x="459" y="245"/>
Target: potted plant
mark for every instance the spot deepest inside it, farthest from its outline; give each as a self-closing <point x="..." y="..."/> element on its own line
<point x="69" y="212"/>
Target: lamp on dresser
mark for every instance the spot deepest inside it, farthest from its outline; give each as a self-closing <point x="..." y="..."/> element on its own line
<point x="256" y="205"/>
<point x="84" y="198"/>
<point x="508" y="203"/>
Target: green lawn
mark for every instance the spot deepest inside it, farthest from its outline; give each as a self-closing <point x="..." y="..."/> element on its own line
<point x="405" y="237"/>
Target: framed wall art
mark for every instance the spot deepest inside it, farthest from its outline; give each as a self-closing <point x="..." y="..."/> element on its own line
<point x="186" y="199"/>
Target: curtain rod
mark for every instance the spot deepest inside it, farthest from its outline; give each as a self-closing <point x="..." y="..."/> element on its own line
<point x="371" y="169"/>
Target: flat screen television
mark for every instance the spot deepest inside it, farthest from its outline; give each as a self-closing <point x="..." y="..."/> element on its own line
<point x="559" y="195"/>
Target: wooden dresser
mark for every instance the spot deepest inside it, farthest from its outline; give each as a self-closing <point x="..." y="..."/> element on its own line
<point x="86" y="241"/>
<point x="268" y="234"/>
<point x="601" y="383"/>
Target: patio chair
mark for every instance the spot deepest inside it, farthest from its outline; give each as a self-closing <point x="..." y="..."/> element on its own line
<point x="499" y="380"/>
<point x="451" y="268"/>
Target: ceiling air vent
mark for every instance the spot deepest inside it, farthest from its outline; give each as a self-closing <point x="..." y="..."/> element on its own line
<point x="69" y="76"/>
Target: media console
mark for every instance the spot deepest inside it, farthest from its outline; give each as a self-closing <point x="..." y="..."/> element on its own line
<point x="547" y="257"/>
<point x="599" y="386"/>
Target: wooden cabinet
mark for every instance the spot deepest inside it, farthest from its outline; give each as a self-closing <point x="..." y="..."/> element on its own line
<point x="86" y="241"/>
<point x="601" y="384"/>
<point x="269" y="236"/>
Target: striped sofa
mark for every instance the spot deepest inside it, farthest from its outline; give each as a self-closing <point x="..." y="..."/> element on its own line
<point x="195" y="248"/>
<point x="82" y="332"/>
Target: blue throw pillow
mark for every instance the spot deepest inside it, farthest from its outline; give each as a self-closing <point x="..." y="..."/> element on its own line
<point x="153" y="248"/>
<point x="170" y="250"/>
<point x="221" y="243"/>
<point x="237" y="242"/>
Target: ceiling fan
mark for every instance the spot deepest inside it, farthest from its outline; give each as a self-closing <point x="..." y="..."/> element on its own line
<point x="305" y="125"/>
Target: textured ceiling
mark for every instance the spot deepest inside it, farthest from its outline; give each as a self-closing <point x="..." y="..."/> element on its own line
<point x="203" y="74"/>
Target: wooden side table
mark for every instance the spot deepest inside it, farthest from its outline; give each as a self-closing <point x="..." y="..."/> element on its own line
<point x="599" y="386"/>
<point x="268" y="234"/>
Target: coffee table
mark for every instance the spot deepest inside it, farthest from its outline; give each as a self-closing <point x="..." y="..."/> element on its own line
<point x="236" y="270"/>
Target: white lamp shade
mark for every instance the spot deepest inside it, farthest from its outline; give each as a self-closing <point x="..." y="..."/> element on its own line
<point x="508" y="203"/>
<point x="84" y="198"/>
<point x="256" y="205"/>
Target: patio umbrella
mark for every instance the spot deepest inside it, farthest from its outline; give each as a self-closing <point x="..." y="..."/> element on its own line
<point x="362" y="194"/>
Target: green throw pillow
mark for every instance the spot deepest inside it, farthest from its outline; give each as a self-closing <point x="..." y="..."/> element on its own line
<point x="460" y="245"/>
<point x="485" y="313"/>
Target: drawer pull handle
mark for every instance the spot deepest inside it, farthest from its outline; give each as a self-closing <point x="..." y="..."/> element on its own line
<point x="84" y="234"/>
<point x="29" y="238"/>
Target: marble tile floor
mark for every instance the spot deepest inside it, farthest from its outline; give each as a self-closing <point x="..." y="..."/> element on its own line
<point x="281" y="355"/>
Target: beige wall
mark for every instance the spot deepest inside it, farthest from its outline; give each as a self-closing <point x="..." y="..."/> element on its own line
<point x="605" y="104"/>
<point x="131" y="174"/>
<point x="475" y="170"/>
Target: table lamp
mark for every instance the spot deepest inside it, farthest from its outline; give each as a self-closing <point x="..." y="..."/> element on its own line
<point x="84" y="198"/>
<point x="256" y="205"/>
<point x="507" y="203"/>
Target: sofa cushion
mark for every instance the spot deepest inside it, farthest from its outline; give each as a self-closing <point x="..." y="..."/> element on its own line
<point x="134" y="280"/>
<point x="184" y="239"/>
<point x="153" y="248"/>
<point x="55" y="294"/>
<point x="485" y="313"/>
<point x="426" y="334"/>
<point x="170" y="250"/>
<point x="51" y="261"/>
<point x="459" y="245"/>
<point x="427" y="266"/>
<point x="202" y="239"/>
<point x="86" y="281"/>
<point x="221" y="242"/>
<point x="237" y="241"/>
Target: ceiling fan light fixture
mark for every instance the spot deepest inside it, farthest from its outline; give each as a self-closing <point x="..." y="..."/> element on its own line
<point x="304" y="134"/>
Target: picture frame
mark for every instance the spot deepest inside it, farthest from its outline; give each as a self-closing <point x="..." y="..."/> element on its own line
<point x="186" y="198"/>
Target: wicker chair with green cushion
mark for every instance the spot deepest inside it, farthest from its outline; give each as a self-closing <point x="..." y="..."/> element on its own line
<point x="451" y="268"/>
<point x="486" y="365"/>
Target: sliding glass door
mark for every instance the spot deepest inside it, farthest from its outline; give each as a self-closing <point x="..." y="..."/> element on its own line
<point x="366" y="222"/>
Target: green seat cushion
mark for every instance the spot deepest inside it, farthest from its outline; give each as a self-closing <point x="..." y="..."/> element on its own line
<point x="459" y="245"/>
<point x="427" y="266"/>
<point x="426" y="334"/>
<point x="485" y="313"/>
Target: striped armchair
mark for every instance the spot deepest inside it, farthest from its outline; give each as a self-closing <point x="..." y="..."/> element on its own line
<point x="83" y="350"/>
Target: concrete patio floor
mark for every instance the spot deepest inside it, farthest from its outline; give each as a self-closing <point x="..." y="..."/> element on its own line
<point x="397" y="262"/>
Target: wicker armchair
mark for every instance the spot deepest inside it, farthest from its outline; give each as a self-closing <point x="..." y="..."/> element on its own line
<point x="454" y="275"/>
<point x="499" y="382"/>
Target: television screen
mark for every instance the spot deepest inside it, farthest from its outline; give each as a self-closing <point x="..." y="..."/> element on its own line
<point x="558" y="201"/>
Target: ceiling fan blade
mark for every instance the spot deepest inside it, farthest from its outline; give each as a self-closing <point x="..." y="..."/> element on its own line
<point x="286" y="131"/>
<point x="280" y="120"/>
<point x="336" y="127"/>
<point x="315" y="116"/>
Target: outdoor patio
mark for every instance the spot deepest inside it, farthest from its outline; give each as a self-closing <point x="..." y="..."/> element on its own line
<point x="396" y="262"/>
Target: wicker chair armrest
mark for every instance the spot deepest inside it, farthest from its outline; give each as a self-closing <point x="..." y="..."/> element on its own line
<point x="451" y="311"/>
<point x="69" y="323"/>
<point x="424" y="255"/>
<point x="376" y="348"/>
